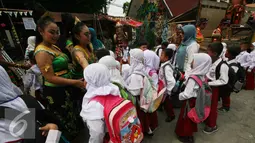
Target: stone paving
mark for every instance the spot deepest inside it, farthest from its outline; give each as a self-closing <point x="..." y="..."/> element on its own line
<point x="235" y="126"/>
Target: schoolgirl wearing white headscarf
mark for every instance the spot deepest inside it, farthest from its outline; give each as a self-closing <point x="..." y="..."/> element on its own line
<point x="185" y="127"/>
<point x="111" y="64"/>
<point x="201" y="64"/>
<point x="9" y="97"/>
<point x="133" y="81"/>
<point x="134" y="84"/>
<point x="98" y="82"/>
<point x="152" y="62"/>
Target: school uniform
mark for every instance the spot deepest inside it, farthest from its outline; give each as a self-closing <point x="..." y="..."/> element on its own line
<point x="226" y="95"/>
<point x="166" y="75"/>
<point x="134" y="84"/>
<point x="242" y="58"/>
<point x="151" y="63"/>
<point x="149" y="121"/>
<point x="250" y="85"/>
<point x="217" y="80"/>
<point x="98" y="81"/>
<point x="185" y="127"/>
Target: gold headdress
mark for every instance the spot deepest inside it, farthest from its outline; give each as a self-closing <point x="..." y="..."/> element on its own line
<point x="76" y="20"/>
<point x="47" y="13"/>
<point x="118" y="24"/>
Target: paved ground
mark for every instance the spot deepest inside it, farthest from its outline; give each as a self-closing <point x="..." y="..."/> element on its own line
<point x="236" y="126"/>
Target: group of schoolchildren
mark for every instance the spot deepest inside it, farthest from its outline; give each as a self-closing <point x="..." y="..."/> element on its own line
<point x="218" y="72"/>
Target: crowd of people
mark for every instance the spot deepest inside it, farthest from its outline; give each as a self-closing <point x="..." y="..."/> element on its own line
<point x="64" y="94"/>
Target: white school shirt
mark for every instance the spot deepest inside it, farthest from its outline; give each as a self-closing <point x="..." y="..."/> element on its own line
<point x="190" y="90"/>
<point x="191" y="50"/>
<point x="234" y="67"/>
<point x="251" y="60"/>
<point x="242" y="58"/>
<point x="223" y="79"/>
<point x="166" y="75"/>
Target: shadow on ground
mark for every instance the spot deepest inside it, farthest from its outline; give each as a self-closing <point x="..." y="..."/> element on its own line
<point x="235" y="126"/>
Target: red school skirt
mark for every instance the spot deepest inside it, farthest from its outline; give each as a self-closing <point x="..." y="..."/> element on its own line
<point x="250" y="80"/>
<point x="185" y="127"/>
<point x="148" y="120"/>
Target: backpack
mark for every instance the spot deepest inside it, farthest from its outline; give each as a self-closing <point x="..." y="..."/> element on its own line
<point x="240" y="77"/>
<point x="121" y="119"/>
<point x="204" y="95"/>
<point x="230" y="86"/>
<point x="125" y="93"/>
<point x="150" y="98"/>
<point x="178" y="76"/>
<point x="161" y="84"/>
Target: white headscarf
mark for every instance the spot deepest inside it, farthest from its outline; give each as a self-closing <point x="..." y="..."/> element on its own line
<point x="201" y="65"/>
<point x="98" y="81"/>
<point x="152" y="61"/>
<point x="9" y="98"/>
<point x="136" y="65"/>
<point x="112" y="54"/>
<point x="30" y="45"/>
<point x="111" y="63"/>
<point x="136" y="61"/>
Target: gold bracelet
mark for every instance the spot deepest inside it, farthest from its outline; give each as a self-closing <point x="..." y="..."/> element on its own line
<point x="18" y="65"/>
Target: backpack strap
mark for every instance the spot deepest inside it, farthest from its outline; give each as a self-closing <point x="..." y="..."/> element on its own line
<point x="234" y="64"/>
<point x="100" y="99"/>
<point x="217" y="71"/>
<point x="111" y="100"/>
<point x="158" y="51"/>
<point x="197" y="79"/>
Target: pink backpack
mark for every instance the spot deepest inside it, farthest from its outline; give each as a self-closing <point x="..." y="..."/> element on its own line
<point x="202" y="109"/>
<point x="161" y="84"/>
<point x="121" y="119"/>
<point x="150" y="98"/>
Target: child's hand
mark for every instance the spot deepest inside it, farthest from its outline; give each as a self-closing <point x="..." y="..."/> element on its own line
<point x="48" y="127"/>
